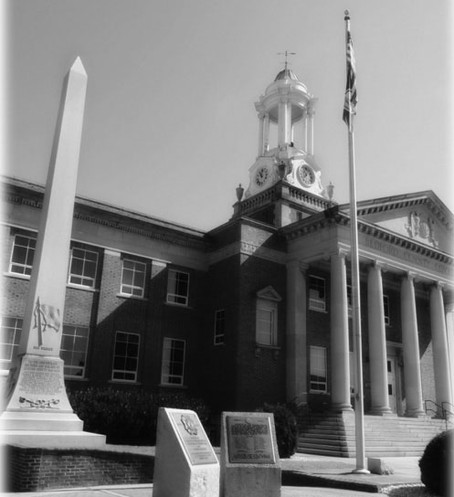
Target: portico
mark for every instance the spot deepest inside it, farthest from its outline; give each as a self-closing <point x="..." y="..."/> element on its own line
<point x="417" y="275"/>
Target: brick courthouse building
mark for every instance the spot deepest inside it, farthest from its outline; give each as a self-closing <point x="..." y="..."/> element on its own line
<point x="257" y="309"/>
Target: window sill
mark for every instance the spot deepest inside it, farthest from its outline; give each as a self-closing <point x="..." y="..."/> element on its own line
<point x="322" y="311"/>
<point x="275" y="349"/>
<point x="181" y="306"/>
<point x="81" y="287"/>
<point x="128" y="296"/>
<point x="76" y="378"/>
<point x="264" y="346"/>
<point x="17" y="275"/>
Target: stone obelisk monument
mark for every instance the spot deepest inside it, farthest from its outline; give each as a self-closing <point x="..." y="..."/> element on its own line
<point x="37" y="406"/>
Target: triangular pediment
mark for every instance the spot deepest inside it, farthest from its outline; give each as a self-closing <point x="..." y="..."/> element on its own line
<point x="421" y="217"/>
<point x="269" y="293"/>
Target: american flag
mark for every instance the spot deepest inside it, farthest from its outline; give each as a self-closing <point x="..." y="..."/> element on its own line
<point x="350" y="90"/>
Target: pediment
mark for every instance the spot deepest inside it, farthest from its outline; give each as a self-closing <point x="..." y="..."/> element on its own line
<point x="269" y="293"/>
<point x="421" y="217"/>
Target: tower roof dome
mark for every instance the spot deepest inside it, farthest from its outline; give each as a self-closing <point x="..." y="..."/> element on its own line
<point x="286" y="74"/>
<point x="287" y="79"/>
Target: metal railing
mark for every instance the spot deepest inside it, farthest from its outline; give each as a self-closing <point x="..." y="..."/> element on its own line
<point x="445" y="410"/>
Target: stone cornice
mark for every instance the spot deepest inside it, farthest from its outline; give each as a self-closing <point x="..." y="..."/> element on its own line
<point x="281" y="191"/>
<point x="31" y="195"/>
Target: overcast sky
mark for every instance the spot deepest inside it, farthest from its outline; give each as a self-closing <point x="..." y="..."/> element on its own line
<point x="170" y="127"/>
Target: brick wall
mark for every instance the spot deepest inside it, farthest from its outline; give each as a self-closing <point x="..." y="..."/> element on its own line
<point x="32" y="469"/>
<point x="261" y="370"/>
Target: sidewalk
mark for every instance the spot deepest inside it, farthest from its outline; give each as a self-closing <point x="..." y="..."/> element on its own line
<point x="306" y="470"/>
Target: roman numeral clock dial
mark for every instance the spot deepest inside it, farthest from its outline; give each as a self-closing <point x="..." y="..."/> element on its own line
<point x="306" y="175"/>
<point x="261" y="176"/>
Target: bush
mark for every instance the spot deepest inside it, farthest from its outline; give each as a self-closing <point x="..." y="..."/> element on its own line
<point x="286" y="427"/>
<point x="436" y="462"/>
<point x="128" y="416"/>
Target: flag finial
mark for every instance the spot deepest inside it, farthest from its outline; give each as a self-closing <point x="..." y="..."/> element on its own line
<point x="347" y="15"/>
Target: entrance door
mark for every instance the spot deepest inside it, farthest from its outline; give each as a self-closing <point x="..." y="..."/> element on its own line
<point x="392" y="394"/>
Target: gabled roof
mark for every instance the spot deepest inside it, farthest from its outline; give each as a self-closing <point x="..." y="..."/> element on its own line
<point x="427" y="198"/>
<point x="335" y="216"/>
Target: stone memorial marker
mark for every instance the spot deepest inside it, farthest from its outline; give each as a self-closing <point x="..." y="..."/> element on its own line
<point x="37" y="407"/>
<point x="250" y="465"/>
<point x="185" y="462"/>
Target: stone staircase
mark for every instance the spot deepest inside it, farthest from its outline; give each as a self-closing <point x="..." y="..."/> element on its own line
<point x="333" y="434"/>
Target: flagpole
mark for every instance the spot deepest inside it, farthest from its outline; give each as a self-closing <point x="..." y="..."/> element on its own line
<point x="356" y="310"/>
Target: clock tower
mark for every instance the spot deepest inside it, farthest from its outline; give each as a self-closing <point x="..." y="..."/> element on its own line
<point x="285" y="158"/>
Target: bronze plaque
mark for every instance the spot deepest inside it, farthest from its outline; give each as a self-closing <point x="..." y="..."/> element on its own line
<point x="193" y="437"/>
<point x="250" y="440"/>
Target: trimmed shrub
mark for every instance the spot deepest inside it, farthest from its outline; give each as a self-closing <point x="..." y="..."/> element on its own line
<point x="286" y="427"/>
<point x="128" y="416"/>
<point x="435" y="463"/>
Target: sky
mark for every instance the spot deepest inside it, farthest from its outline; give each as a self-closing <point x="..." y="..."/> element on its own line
<point x="170" y="127"/>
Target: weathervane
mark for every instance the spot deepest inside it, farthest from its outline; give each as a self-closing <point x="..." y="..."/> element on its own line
<point x="286" y="53"/>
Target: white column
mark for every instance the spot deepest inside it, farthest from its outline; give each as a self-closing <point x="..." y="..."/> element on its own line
<point x="310" y="148"/>
<point x="305" y="130"/>
<point x="261" y="120"/>
<point x="284" y="121"/>
<point x="296" y="344"/>
<point x="450" y="340"/>
<point x="266" y="132"/>
<point x="410" y="343"/>
<point x="340" y="354"/>
<point x="440" y="346"/>
<point x="377" y="342"/>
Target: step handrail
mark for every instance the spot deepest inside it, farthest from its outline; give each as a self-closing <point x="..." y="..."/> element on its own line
<point x="440" y="408"/>
<point x="427" y="409"/>
<point x="447" y="412"/>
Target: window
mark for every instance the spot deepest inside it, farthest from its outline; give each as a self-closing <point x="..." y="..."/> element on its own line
<point x="73" y="350"/>
<point x="82" y="268"/>
<point x="266" y="326"/>
<point x="10" y="330"/>
<point x="133" y="278"/>
<point x="317" y="294"/>
<point x="178" y="287"/>
<point x="219" y="327"/>
<point x="267" y="316"/>
<point x="126" y="356"/>
<point x="318" y="381"/>
<point x="349" y="299"/>
<point x="386" y="309"/>
<point x="173" y="361"/>
<point x="22" y="255"/>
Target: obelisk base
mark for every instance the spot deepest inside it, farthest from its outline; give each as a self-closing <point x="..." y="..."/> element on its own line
<point x="38" y="412"/>
<point x="53" y="439"/>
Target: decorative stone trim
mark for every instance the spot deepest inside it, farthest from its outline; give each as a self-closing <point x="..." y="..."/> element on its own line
<point x="426" y="198"/>
<point x="281" y="190"/>
<point x="247" y="248"/>
<point x="315" y="223"/>
<point x="127" y="221"/>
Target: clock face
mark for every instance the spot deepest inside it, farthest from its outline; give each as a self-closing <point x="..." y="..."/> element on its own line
<point x="306" y="175"/>
<point x="261" y="176"/>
